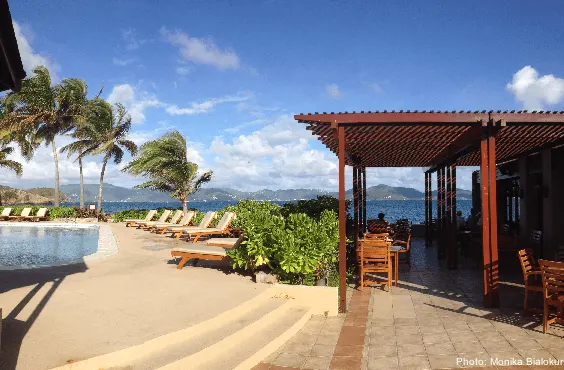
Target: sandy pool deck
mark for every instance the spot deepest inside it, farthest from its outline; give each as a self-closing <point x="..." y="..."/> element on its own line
<point x="68" y="313"/>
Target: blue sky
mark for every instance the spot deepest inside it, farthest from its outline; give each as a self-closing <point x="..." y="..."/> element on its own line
<point x="230" y="75"/>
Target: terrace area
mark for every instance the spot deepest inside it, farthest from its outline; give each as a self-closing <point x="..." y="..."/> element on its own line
<point x="432" y="319"/>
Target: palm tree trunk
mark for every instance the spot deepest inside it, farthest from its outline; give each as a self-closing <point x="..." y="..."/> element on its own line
<point x="101" y="184"/>
<point x="185" y="206"/>
<point x="56" y="158"/>
<point x="81" y="183"/>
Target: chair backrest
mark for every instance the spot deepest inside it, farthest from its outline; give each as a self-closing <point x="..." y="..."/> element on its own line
<point x="375" y="251"/>
<point x="165" y="215"/>
<point x="26" y="212"/>
<point x="527" y="260"/>
<point x="206" y="221"/>
<point x="226" y="220"/>
<point x="6" y="211"/>
<point x="379" y="236"/>
<point x="536" y="237"/>
<point x="560" y="253"/>
<point x="42" y="212"/>
<point x="505" y="229"/>
<point x="176" y="217"/>
<point x="187" y="218"/>
<point x="150" y="215"/>
<point x="552" y="277"/>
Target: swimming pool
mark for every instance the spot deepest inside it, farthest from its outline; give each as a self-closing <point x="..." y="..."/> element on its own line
<point x="26" y="245"/>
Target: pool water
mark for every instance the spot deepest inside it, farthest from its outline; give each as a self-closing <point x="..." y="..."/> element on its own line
<point x="44" y="246"/>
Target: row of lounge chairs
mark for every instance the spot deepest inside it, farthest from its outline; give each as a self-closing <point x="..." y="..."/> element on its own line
<point x="25" y="215"/>
<point x="179" y="225"/>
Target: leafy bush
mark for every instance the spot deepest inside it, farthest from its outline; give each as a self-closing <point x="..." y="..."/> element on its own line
<point x="315" y="207"/>
<point x="62" y="212"/>
<point x="130" y="214"/>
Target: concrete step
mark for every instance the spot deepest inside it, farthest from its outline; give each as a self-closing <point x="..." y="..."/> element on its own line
<point x="249" y="345"/>
<point x="202" y="340"/>
<point x="236" y="339"/>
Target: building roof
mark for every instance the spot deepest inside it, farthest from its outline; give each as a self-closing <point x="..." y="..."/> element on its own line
<point x="11" y="68"/>
<point x="429" y="138"/>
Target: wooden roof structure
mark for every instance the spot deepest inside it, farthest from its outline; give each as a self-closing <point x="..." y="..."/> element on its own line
<point x="11" y="68"/>
<point x="429" y="138"/>
<point x="439" y="141"/>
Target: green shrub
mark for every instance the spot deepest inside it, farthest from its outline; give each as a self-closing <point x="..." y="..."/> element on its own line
<point x="130" y="214"/>
<point x="62" y="212"/>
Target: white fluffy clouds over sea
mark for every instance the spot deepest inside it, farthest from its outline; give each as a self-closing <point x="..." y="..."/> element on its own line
<point x="536" y="92"/>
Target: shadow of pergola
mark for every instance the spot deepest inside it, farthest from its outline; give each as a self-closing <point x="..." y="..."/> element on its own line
<point x="14" y="329"/>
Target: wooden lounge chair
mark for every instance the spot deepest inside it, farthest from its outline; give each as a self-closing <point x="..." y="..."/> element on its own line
<point x="186" y="219"/>
<point x="6" y="213"/>
<point x="553" y="286"/>
<point x="133" y="221"/>
<point x="531" y="276"/>
<point x="221" y="229"/>
<point x="173" y="221"/>
<point x="214" y="250"/>
<point x="206" y="221"/>
<point x="163" y="218"/>
<point x="25" y="213"/>
<point x="40" y="216"/>
<point x="375" y="258"/>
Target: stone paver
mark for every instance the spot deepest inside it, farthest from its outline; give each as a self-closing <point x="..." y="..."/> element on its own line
<point x="434" y="319"/>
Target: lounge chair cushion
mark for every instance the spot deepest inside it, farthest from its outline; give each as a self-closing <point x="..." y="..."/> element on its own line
<point x="228" y="242"/>
<point x="201" y="249"/>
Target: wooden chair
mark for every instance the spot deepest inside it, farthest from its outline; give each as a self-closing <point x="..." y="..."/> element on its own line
<point x="375" y="258"/>
<point x="553" y="286"/>
<point x="531" y="272"/>
<point x="405" y="242"/>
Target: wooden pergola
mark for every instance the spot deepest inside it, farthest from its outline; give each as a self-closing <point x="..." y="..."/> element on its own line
<point x="438" y="141"/>
<point x="11" y="68"/>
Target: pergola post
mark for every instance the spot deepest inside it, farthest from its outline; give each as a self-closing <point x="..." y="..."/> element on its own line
<point x="431" y="230"/>
<point x="427" y="223"/>
<point x="342" y="223"/>
<point x="360" y="200"/>
<point x="489" y="218"/>
<point x="442" y="216"/>
<point x="453" y="263"/>
<point x="364" y="223"/>
<point x="355" y="205"/>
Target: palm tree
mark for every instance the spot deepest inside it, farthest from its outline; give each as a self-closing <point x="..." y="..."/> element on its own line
<point x="165" y="162"/>
<point x="86" y="134"/>
<point x="107" y="133"/>
<point x="46" y="110"/>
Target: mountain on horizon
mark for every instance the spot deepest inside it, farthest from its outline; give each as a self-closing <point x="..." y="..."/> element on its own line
<point x="113" y="193"/>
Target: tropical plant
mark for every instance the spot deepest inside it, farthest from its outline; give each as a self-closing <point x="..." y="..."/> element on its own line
<point x="107" y="131"/>
<point x="85" y="133"/>
<point x="45" y="110"/>
<point x="165" y="163"/>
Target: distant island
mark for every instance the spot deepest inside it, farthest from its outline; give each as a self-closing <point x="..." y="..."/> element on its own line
<point x="114" y="193"/>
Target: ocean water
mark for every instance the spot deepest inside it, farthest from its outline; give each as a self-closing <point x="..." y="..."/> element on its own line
<point x="414" y="210"/>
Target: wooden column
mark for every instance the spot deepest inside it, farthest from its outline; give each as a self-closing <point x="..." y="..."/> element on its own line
<point x="448" y="213"/>
<point x="364" y="198"/>
<point x="440" y="205"/>
<point x="431" y="234"/>
<point x="547" y="208"/>
<point x="356" y="207"/>
<point x="342" y="224"/>
<point x="452" y="258"/>
<point x="489" y="220"/>
<point x="360" y="201"/>
<point x="427" y="223"/>
<point x="524" y="196"/>
<point x="494" y="295"/>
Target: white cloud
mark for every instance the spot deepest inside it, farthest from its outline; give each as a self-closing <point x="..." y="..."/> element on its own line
<point x="122" y="62"/>
<point x="132" y="42"/>
<point x="535" y="92"/>
<point x="333" y="91"/>
<point x="205" y="106"/>
<point x="134" y="101"/>
<point x="30" y="59"/>
<point x="201" y="50"/>
<point x="183" y="70"/>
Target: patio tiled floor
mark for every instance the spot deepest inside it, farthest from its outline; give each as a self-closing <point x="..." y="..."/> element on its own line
<point x="434" y="319"/>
